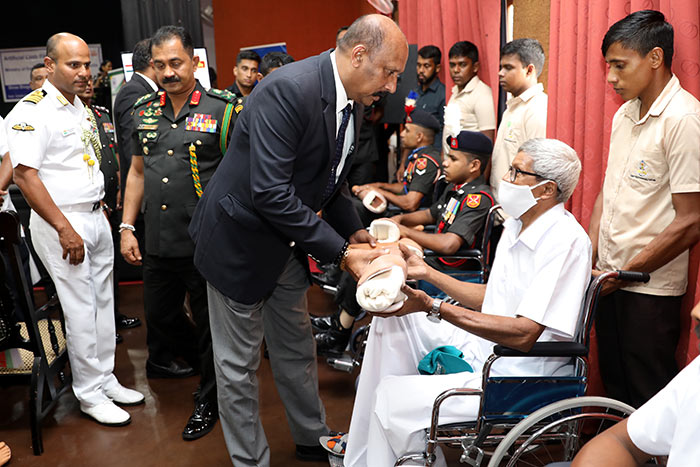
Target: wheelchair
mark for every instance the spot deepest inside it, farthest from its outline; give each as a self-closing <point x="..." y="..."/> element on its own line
<point x="531" y="420"/>
<point x="475" y="266"/>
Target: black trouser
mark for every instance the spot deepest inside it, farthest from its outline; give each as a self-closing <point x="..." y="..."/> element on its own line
<point x="637" y="338"/>
<point x="170" y="333"/>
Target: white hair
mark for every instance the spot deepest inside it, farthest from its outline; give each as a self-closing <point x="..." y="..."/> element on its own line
<point x="556" y="161"/>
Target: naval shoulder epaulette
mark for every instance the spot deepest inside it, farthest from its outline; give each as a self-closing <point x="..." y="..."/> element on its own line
<point x="35" y="96"/>
<point x="146" y="98"/>
<point x="224" y="94"/>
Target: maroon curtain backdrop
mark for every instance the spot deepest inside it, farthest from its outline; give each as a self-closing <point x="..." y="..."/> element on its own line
<point x="444" y="22"/>
<point x="582" y="104"/>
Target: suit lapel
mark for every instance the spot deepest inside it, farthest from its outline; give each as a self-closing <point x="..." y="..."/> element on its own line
<point x="328" y="97"/>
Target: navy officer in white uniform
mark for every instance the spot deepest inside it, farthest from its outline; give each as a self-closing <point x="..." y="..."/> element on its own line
<point x="52" y="140"/>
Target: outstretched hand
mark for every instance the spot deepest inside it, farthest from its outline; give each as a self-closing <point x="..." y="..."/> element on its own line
<point x="416" y="267"/>
<point x="359" y="258"/>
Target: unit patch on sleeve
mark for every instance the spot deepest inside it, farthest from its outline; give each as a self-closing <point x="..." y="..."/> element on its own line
<point x="473" y="200"/>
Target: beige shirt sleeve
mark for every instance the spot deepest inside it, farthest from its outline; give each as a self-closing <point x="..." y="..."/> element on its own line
<point x="683" y="154"/>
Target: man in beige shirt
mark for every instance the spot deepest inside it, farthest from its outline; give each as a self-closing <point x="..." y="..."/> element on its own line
<point x="646" y="217"/>
<point x="526" y="111"/>
<point x="471" y="105"/>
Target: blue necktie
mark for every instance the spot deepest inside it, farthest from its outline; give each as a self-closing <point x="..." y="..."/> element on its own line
<point x="339" y="143"/>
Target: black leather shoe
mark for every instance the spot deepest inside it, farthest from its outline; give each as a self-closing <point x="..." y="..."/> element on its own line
<point x="321" y="323"/>
<point x="311" y="453"/>
<point x="332" y="343"/>
<point x="124" y="322"/>
<point x="174" y="369"/>
<point x="120" y="339"/>
<point x="201" y="421"/>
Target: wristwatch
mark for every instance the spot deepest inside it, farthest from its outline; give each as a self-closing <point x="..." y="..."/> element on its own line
<point x="434" y="312"/>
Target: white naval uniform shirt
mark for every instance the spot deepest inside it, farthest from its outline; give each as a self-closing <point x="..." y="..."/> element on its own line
<point x="541" y="274"/>
<point x="667" y="425"/>
<point x="4" y="148"/>
<point x="341" y="101"/>
<point x="47" y="136"/>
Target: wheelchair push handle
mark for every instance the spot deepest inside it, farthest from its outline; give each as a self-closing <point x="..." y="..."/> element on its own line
<point x="633" y="276"/>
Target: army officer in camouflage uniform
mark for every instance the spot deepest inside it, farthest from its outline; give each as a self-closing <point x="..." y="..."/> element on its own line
<point x="182" y="132"/>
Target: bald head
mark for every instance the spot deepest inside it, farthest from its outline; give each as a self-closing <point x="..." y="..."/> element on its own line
<point x="56" y="41"/>
<point x="68" y="63"/>
<point x="374" y="32"/>
<point x="370" y="57"/>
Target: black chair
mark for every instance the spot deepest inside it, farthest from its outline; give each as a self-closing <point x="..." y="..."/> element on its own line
<point x="37" y="344"/>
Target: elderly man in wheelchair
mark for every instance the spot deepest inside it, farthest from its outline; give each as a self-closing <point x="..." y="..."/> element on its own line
<point x="538" y="281"/>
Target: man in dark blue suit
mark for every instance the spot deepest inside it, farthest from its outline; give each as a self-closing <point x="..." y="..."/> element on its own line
<point x="256" y="222"/>
<point x="142" y="82"/>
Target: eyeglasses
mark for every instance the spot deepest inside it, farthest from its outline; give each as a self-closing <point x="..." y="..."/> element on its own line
<point x="515" y="172"/>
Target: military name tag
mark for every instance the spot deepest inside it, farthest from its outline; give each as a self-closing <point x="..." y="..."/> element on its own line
<point x="201" y="122"/>
<point x="143" y="126"/>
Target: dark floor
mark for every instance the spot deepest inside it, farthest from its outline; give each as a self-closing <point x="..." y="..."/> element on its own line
<point x="153" y="437"/>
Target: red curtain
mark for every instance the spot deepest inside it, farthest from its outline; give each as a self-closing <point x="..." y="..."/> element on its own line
<point x="444" y="22"/>
<point x="582" y="104"/>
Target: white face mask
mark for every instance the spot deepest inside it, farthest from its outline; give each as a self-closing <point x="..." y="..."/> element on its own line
<point x="516" y="200"/>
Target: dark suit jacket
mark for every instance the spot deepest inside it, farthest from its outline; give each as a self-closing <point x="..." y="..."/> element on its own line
<point x="262" y="200"/>
<point x="123" y="122"/>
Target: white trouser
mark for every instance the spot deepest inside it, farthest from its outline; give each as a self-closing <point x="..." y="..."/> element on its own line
<point x="87" y="299"/>
<point x="394" y="402"/>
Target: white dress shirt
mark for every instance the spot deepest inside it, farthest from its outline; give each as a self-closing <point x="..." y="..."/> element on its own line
<point x="47" y="136"/>
<point x="151" y="83"/>
<point x="667" y="425"/>
<point x="341" y="101"/>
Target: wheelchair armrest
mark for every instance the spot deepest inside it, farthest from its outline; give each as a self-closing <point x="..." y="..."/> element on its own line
<point x="545" y="349"/>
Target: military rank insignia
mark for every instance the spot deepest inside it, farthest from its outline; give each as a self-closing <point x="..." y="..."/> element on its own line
<point x="201" y="122"/>
<point x="473" y="200"/>
<point x="22" y="126"/>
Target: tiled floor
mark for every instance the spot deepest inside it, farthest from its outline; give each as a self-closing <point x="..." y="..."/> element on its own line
<point x="153" y="437"/>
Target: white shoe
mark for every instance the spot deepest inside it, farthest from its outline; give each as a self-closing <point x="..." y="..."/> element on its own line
<point x="107" y="413"/>
<point x="124" y="396"/>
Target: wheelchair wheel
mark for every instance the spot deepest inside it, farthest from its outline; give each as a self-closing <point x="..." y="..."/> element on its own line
<point x="556" y="432"/>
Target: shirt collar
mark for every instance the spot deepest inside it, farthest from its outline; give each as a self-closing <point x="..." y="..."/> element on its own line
<point x="59" y="99"/>
<point x="528" y="94"/>
<point x="416" y="150"/>
<point x="532" y="235"/>
<point x="659" y="105"/>
<point x="152" y="83"/>
<point x="341" y="97"/>
<point x="469" y="87"/>
<point x="473" y="184"/>
<point x="434" y="86"/>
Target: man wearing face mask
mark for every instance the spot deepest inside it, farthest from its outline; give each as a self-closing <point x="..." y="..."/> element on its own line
<point x="534" y="294"/>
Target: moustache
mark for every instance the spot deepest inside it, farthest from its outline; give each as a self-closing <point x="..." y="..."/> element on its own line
<point x="381" y="94"/>
<point x="697" y="330"/>
<point x="171" y="79"/>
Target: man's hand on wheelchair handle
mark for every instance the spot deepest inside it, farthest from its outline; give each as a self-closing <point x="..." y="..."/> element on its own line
<point x="610" y="285"/>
